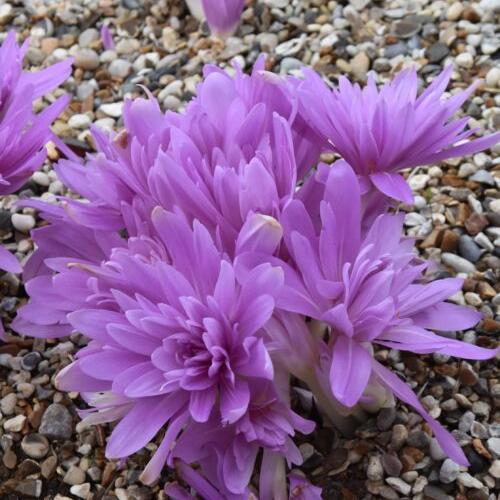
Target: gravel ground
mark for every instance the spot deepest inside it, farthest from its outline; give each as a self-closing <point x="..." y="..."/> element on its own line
<point x="44" y="453"/>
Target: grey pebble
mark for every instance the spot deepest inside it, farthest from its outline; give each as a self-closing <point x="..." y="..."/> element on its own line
<point x="56" y="422"/>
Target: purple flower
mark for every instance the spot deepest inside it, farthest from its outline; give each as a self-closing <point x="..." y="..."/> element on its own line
<point x="23" y="134"/>
<point x="223" y="16"/>
<point x="367" y="288"/>
<point x="382" y="132"/>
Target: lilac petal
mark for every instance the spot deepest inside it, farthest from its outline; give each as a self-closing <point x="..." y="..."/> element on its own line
<point x="147" y="384"/>
<point x="405" y="394"/>
<point x="447" y="317"/>
<point x="260" y="233"/>
<point x="302" y="489"/>
<point x="201" y="404"/>
<point x="255" y="315"/>
<point x="350" y="370"/>
<point x="234" y="400"/>
<point x="338" y="317"/>
<point x="197" y="481"/>
<point x="9" y="262"/>
<point x="238" y="465"/>
<point x="107" y="364"/>
<point x="393" y="185"/>
<point x="107" y="38"/>
<point x="149" y="415"/>
<point x="272" y="480"/>
<point x="72" y="378"/>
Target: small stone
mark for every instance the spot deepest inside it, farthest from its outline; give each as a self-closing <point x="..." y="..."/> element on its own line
<point x="468" y="248"/>
<point x="41" y="178"/>
<point x="465" y="479"/>
<point x="56" y="422"/>
<point x="79" y="121"/>
<point x="23" y="222"/>
<point x="450" y="240"/>
<point x="494" y="470"/>
<point x="418" y="439"/>
<point x="435" y="493"/>
<point x="394" y="50"/>
<point x="418" y="182"/>
<point x="386" y="418"/>
<point x="449" y="471"/>
<point x="87" y="59"/>
<point x="290" y="47"/>
<point x="357" y="4"/>
<point x="35" y="445"/>
<point x="481" y="409"/>
<point x="454" y="11"/>
<point x="392" y="465"/>
<point x="493" y="77"/>
<point x="406" y="29"/>
<point x="419" y="485"/>
<point x="494" y="446"/>
<point x="476" y="223"/>
<point x="495" y="206"/>
<point x="465" y="60"/>
<point x="478" y="430"/>
<point x="436" y="52"/>
<point x="49" y="466"/>
<point x="120" y="68"/>
<point x="467" y="375"/>
<point x="30" y="361"/>
<point x="399" y="436"/>
<point x="74" y="475"/>
<point x="436" y="451"/>
<point x="30" y="488"/>
<point x="399" y="485"/>
<point x="360" y="64"/>
<point x="459" y="264"/>
<point x="375" y="471"/>
<point x="80" y="490"/>
<point x="483" y="177"/>
<point x="113" y="109"/>
<point x="15" y="424"/>
<point x="87" y="37"/>
<point x="6" y="13"/>
<point x="8" y="404"/>
<point x="483" y="241"/>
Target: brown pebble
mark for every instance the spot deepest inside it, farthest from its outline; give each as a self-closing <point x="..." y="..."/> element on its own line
<point x="476" y="223"/>
<point x="9" y="459"/>
<point x="48" y="467"/>
<point x="479" y="447"/>
<point x="466" y="374"/>
<point x="48" y="45"/>
<point x="485" y="290"/>
<point x="434" y="239"/>
<point x="449" y="243"/>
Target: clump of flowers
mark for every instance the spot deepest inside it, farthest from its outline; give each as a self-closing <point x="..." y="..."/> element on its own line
<point x="215" y="258"/>
<point x="23" y="134"/>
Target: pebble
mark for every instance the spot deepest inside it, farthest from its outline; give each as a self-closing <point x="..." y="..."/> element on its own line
<point x="468" y="248"/>
<point x="80" y="490"/>
<point x="434" y="493"/>
<point x="399" y="436"/>
<point x="454" y="11"/>
<point x="494" y="469"/>
<point x="88" y="37"/>
<point x="484" y="177"/>
<point x="360" y="65"/>
<point x="494" y="446"/>
<point x="449" y="471"/>
<point x="114" y="110"/>
<point x="30" y="488"/>
<point x="436" y="52"/>
<point x="14" y="424"/>
<point x="465" y="479"/>
<point x="419" y="181"/>
<point x="436" y="451"/>
<point x="399" y="485"/>
<point x="459" y="264"/>
<point x="79" y="121"/>
<point x="74" y="476"/>
<point x="41" y="178"/>
<point x="35" y="445"/>
<point x="492" y="78"/>
<point x="120" y="68"/>
<point x="86" y="59"/>
<point x="56" y="422"/>
<point x="495" y="206"/>
<point x="23" y="222"/>
<point x="30" y="361"/>
<point x="392" y="465"/>
<point x="465" y="60"/>
<point x="375" y="471"/>
<point x="6" y="13"/>
<point x="386" y="418"/>
<point x="8" y="404"/>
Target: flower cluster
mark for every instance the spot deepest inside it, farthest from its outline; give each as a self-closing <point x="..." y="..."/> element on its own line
<point x="215" y="257"/>
<point x="23" y="134"/>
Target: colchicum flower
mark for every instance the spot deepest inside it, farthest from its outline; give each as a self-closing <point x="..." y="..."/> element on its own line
<point x="223" y="16"/>
<point x="379" y="133"/>
<point x="23" y="134"/>
<point x="212" y="260"/>
<point x="368" y="289"/>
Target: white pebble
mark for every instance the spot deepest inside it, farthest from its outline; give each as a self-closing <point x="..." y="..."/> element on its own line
<point x="41" y="178"/>
<point x="79" y="121"/>
<point x="418" y="182"/>
<point x="113" y="109"/>
<point x="465" y="60"/>
<point x="14" y="424"/>
<point x="493" y="77"/>
<point x="22" y="222"/>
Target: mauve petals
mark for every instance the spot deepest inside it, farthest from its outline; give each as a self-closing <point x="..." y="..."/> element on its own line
<point x="224" y="292"/>
<point x="9" y="262"/>
<point x="302" y="489"/>
<point x="260" y="233"/>
<point x="238" y="465"/>
<point x="194" y="479"/>
<point x="255" y="315"/>
<point x="447" y="317"/>
<point x="234" y="400"/>
<point x="93" y="322"/>
<point x="149" y="415"/>
<point x="259" y="362"/>
<point x="393" y="185"/>
<point x="338" y="317"/>
<point x="223" y="15"/>
<point x="107" y="364"/>
<point x="48" y="79"/>
<point x="107" y="38"/>
<point x="72" y="378"/>
<point x="350" y="371"/>
<point x="201" y="404"/>
<point x="451" y="448"/>
<point x="149" y="383"/>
